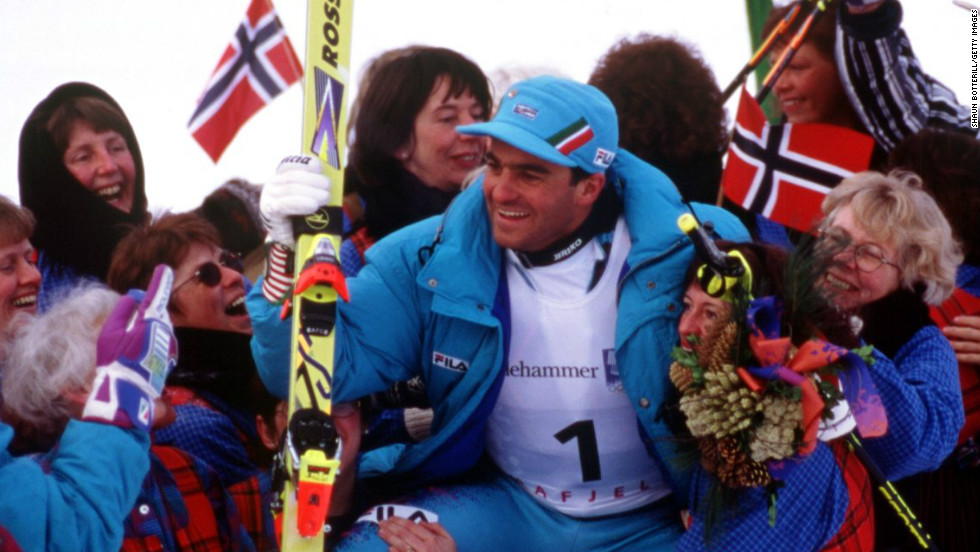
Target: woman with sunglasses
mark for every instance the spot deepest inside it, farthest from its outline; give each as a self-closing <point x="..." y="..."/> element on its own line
<point x="896" y="257"/>
<point x="823" y="501"/>
<point x="215" y="384"/>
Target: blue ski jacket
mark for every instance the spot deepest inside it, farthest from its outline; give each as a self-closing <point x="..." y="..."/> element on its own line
<point x="82" y="503"/>
<point x="431" y="302"/>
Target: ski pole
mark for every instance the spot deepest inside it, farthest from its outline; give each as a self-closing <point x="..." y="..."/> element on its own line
<point x="722" y="263"/>
<point x="891" y="495"/>
<point x="819" y="7"/>
<point x="763" y="50"/>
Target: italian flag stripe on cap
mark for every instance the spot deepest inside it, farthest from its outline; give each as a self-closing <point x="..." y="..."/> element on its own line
<point x="571" y="137"/>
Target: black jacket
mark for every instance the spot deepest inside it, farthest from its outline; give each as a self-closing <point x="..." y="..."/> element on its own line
<point x="75" y="228"/>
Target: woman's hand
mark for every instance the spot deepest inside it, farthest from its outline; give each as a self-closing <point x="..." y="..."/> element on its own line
<point x="403" y="535"/>
<point x="964" y="335"/>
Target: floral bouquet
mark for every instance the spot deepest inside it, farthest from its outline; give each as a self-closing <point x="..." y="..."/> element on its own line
<point x="760" y="388"/>
<point x="752" y="404"/>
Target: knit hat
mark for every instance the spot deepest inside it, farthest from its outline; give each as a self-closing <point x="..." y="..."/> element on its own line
<point x="233" y="209"/>
<point x="558" y="120"/>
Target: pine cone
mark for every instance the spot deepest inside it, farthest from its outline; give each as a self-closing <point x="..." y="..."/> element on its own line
<point x="719" y="344"/>
<point x="710" y="456"/>
<point x="736" y="470"/>
<point x="681" y="377"/>
<point x="775" y="438"/>
<point x="751" y="474"/>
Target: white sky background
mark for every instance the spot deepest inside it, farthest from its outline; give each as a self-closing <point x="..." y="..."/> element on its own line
<point x="154" y="58"/>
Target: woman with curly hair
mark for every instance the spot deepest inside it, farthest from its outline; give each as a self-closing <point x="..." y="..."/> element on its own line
<point x="670" y="110"/>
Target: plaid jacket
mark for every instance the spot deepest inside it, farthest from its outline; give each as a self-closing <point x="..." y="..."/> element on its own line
<point x="352" y="251"/>
<point x="182" y="506"/>
<point x="857" y="533"/>
<point x="221" y="437"/>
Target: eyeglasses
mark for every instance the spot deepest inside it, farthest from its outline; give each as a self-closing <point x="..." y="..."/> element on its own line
<point x="209" y="273"/>
<point x="868" y="257"/>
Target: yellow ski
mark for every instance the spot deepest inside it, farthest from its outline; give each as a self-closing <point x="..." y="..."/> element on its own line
<point x="311" y="455"/>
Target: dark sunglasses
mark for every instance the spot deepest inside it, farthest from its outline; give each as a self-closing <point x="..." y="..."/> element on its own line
<point x="209" y="273"/>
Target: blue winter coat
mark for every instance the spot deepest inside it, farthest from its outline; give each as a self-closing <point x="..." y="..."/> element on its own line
<point x="403" y="311"/>
<point x="82" y="503"/>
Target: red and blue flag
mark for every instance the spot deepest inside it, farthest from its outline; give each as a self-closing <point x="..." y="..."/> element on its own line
<point x="784" y="171"/>
<point x="257" y="66"/>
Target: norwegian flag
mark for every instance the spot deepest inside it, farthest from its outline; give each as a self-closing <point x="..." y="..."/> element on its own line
<point x="258" y="64"/>
<point x="784" y="171"/>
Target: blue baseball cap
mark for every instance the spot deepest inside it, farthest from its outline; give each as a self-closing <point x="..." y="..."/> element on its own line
<point x="558" y="120"/>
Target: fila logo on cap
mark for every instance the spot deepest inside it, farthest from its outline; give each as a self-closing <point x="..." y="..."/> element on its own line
<point x="603" y="158"/>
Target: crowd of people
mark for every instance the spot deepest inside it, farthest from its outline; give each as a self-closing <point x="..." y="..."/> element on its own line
<point x="555" y="339"/>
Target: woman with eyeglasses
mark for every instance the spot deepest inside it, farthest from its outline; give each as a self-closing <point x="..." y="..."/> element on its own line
<point x="896" y="255"/>
<point x="890" y="251"/>
<point x="948" y="499"/>
<point x="215" y="386"/>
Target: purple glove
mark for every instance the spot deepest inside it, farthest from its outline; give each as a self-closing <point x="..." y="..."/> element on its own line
<point x="135" y="352"/>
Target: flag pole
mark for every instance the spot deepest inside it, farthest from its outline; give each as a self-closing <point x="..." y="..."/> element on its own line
<point x="818" y="9"/>
<point x="759" y="54"/>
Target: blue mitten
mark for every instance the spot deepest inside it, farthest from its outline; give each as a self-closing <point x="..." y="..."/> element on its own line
<point x="136" y="350"/>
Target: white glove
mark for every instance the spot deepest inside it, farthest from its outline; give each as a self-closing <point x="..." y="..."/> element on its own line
<point x="299" y="188"/>
<point x="840" y="423"/>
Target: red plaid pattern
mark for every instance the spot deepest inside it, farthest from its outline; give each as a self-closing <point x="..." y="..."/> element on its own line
<point x="193" y="500"/>
<point x="361" y="240"/>
<point x="251" y="496"/>
<point x="253" y="508"/>
<point x="857" y="532"/>
<point x="963" y="302"/>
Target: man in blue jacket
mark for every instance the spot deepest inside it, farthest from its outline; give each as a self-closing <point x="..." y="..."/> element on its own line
<point x="540" y="311"/>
